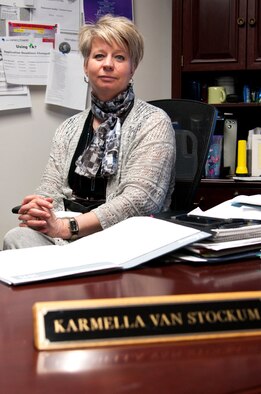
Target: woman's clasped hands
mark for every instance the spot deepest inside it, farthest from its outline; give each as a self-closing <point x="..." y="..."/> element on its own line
<point x="37" y="213"/>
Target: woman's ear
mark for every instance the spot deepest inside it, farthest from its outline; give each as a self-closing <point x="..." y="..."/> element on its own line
<point x="133" y="69"/>
<point x="85" y="67"/>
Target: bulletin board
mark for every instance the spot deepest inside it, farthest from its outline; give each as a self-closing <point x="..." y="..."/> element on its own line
<point x="39" y="46"/>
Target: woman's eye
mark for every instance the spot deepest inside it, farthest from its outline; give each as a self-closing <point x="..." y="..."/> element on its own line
<point x="98" y="56"/>
<point x="121" y="58"/>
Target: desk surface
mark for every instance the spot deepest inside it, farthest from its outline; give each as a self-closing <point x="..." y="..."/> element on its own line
<point x="210" y="366"/>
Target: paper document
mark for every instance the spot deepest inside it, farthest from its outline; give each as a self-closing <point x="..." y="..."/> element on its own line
<point x="221" y="246"/>
<point x="18" y="3"/>
<point x="127" y="244"/>
<point x="46" y="32"/>
<point x="234" y="209"/>
<point x="66" y="13"/>
<point x="12" y="90"/>
<point x="26" y="64"/>
<point x="247" y="178"/>
<point x="236" y="233"/>
<point x="185" y="257"/>
<point x="251" y="201"/>
<point x="65" y="83"/>
<point x="8" y="102"/>
<point x="9" y="12"/>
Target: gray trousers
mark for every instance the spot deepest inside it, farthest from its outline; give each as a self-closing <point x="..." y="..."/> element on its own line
<point x="24" y="237"/>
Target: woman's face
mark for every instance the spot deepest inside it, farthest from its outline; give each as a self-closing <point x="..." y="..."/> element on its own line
<point x="108" y="68"/>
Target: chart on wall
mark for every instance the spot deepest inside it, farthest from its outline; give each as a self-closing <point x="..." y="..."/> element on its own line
<point x="30" y="31"/>
<point x="94" y="9"/>
<point x="33" y="35"/>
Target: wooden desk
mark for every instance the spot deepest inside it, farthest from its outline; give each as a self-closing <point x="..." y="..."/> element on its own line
<point x="211" y="366"/>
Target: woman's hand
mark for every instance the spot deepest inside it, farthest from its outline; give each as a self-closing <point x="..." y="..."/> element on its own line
<point x="37" y="213"/>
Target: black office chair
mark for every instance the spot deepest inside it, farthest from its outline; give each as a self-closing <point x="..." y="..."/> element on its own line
<point x="194" y="123"/>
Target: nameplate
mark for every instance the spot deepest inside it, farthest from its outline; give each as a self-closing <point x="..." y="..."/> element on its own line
<point x="107" y="322"/>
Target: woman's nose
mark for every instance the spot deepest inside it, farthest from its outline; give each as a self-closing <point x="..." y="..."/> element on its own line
<point x="108" y="62"/>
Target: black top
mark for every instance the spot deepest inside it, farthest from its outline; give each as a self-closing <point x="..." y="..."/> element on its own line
<point x="83" y="187"/>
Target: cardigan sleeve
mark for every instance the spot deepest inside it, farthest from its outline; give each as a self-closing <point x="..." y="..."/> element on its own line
<point x="54" y="182"/>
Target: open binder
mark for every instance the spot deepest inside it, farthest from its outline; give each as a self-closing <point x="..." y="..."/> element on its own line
<point x="125" y="245"/>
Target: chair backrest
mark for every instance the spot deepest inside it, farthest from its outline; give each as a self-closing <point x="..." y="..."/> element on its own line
<point x="194" y="123"/>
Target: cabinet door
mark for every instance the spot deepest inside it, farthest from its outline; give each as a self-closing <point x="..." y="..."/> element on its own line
<point x="214" y="35"/>
<point x="254" y="34"/>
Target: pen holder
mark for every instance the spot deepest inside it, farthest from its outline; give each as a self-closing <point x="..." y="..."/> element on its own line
<point x="241" y="158"/>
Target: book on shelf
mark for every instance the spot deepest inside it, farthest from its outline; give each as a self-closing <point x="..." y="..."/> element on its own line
<point x="122" y="246"/>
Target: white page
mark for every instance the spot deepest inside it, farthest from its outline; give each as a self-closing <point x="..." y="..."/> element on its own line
<point x="2" y="71"/>
<point x="16" y="101"/>
<point x="17" y="39"/>
<point x="43" y="262"/>
<point x="13" y="90"/>
<point x="70" y="39"/>
<point x="65" y="84"/>
<point x="18" y="3"/>
<point x="66" y="13"/>
<point x="226" y="210"/>
<point x="249" y="200"/>
<point x="227" y="245"/>
<point x="135" y="240"/>
<point x="9" y="12"/>
<point x="124" y="245"/>
<point x="26" y="64"/>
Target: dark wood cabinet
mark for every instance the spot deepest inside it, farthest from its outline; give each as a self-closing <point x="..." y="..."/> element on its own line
<point x="213" y="38"/>
<point x="221" y="35"/>
<point x="219" y="38"/>
<point x="212" y="192"/>
<point x="254" y="34"/>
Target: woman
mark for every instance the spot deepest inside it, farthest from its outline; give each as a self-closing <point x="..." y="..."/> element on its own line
<point x="122" y="147"/>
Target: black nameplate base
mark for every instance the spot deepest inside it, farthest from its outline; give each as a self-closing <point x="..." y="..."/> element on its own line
<point x="107" y="322"/>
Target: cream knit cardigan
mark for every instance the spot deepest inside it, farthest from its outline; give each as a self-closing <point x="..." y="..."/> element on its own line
<point x="144" y="180"/>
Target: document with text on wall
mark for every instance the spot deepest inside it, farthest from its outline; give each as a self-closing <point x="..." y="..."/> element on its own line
<point x="125" y="245"/>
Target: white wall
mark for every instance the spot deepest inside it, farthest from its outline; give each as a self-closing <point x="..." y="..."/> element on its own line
<point x="26" y="134"/>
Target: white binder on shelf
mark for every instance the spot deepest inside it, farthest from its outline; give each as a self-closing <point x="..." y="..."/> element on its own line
<point x="256" y="155"/>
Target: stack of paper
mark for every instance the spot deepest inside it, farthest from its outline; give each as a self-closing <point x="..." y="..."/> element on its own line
<point x="229" y="243"/>
<point x="237" y="233"/>
<point x="216" y="249"/>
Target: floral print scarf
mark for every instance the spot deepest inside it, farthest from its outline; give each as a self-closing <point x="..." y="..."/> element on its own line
<point x="102" y="152"/>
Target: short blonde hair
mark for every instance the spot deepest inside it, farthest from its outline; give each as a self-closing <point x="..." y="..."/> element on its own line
<point x="113" y="28"/>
